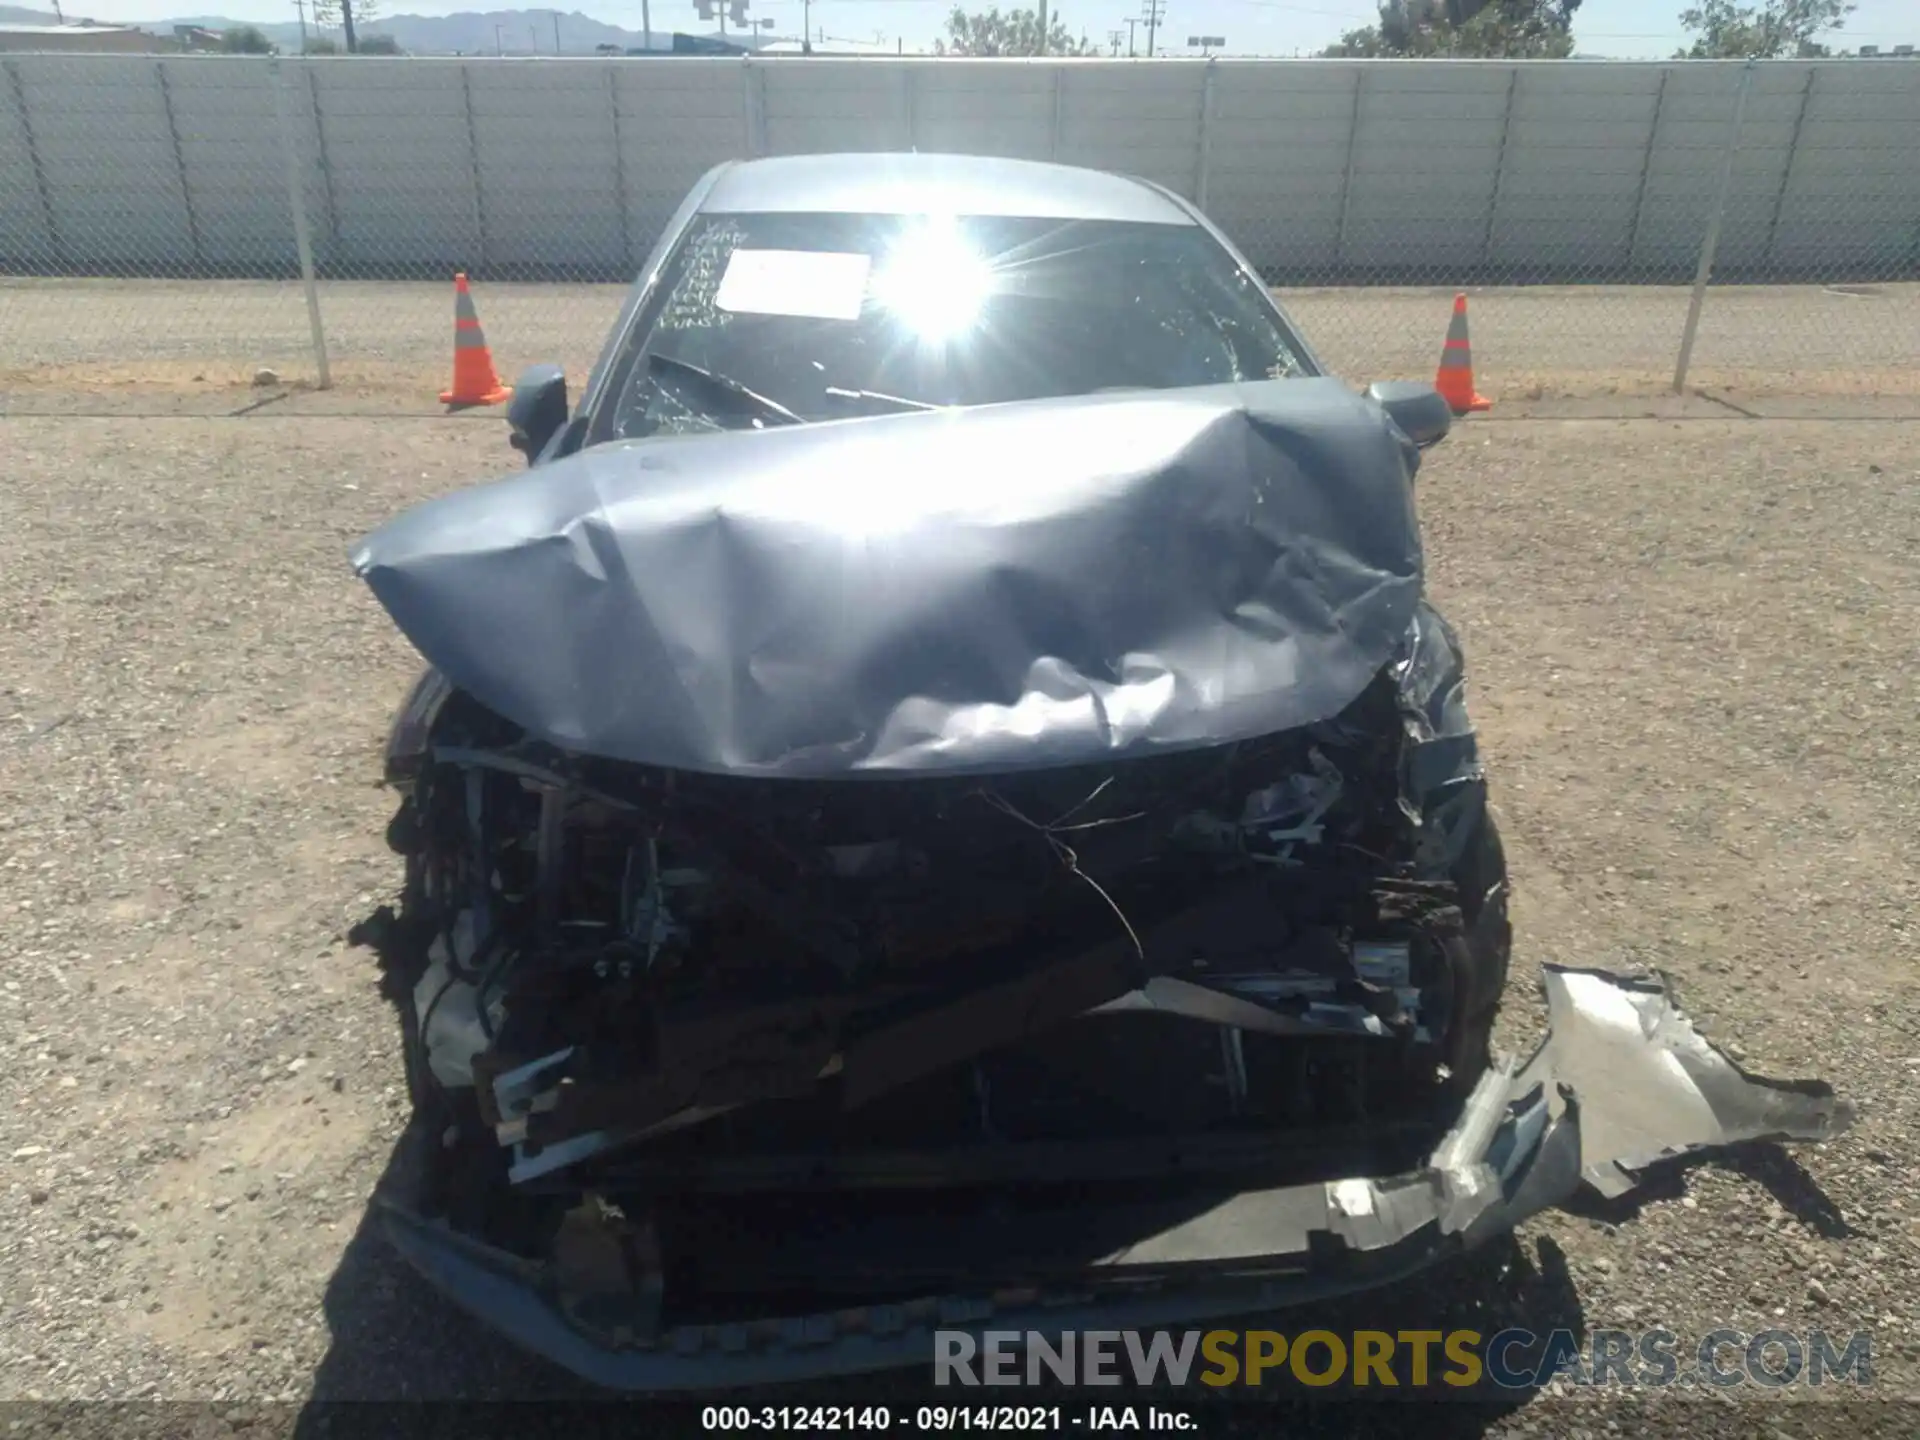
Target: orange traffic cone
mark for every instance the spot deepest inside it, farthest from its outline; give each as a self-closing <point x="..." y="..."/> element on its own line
<point x="474" y="379"/>
<point x="1455" y="378"/>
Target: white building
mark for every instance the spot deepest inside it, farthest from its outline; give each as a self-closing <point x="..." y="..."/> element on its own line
<point x="84" y="38"/>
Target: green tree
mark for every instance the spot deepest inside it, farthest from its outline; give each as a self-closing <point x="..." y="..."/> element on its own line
<point x="245" y="40"/>
<point x="1009" y="32"/>
<point x="1465" y="29"/>
<point x="320" y="45"/>
<point x="1722" y="30"/>
<point x="380" y="45"/>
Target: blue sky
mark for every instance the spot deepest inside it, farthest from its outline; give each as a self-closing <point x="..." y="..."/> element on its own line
<point x="1620" y="28"/>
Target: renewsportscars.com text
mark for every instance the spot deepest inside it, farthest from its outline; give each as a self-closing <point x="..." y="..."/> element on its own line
<point x="1511" y="1359"/>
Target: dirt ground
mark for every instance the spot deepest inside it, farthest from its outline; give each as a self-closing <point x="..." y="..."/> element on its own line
<point x="1692" y="650"/>
<point x="145" y="343"/>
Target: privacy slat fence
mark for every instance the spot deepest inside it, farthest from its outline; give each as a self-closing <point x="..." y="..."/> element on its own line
<point x="1338" y="179"/>
<point x="1324" y="172"/>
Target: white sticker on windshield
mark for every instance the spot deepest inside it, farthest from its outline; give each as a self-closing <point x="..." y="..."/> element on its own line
<point x="815" y="284"/>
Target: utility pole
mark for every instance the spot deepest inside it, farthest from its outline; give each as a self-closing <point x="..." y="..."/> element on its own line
<point x="499" y="45"/>
<point x="300" y="9"/>
<point x="646" y="28"/>
<point x="556" y="32"/>
<point x="1043" y="27"/>
<point x="806" y="27"/>
<point x="1156" y="12"/>
<point x="1130" y="24"/>
<point x="1113" y="41"/>
<point x="346" y="24"/>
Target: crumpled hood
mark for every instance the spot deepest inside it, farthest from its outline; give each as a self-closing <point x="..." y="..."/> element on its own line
<point x="1017" y="586"/>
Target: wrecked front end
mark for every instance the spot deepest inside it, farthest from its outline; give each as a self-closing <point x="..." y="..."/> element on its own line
<point x="1217" y="1243"/>
<point x="1057" y="943"/>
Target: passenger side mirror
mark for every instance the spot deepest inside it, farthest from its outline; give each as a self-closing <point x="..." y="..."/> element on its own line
<point x="538" y="408"/>
<point x="1416" y="407"/>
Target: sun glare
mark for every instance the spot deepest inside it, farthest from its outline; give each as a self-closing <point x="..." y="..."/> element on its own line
<point x="933" y="281"/>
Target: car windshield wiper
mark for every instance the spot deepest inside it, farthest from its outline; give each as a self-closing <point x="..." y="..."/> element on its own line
<point x="897" y="402"/>
<point x="725" y="385"/>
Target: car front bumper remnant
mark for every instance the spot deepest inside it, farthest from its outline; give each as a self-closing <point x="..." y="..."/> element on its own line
<point x="1621" y="1081"/>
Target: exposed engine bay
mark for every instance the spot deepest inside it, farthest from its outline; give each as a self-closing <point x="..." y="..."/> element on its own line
<point x="651" y="985"/>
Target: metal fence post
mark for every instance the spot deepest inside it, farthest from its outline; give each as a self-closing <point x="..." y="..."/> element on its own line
<point x="473" y="163"/>
<point x="1646" y="167"/>
<point x="1499" y="168"/>
<point x="1786" y="172"/>
<point x="908" y="105"/>
<point x="754" y="106"/>
<point x="326" y="168"/>
<point x="55" y="246"/>
<point x="179" y="159"/>
<point x="627" y="263"/>
<point x="1346" y="183"/>
<point x="1206" y="135"/>
<point x="1059" y="99"/>
<point x="1711" y="242"/>
<point x="297" y="201"/>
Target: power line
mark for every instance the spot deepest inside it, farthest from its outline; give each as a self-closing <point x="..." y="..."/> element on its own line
<point x="1155" y="11"/>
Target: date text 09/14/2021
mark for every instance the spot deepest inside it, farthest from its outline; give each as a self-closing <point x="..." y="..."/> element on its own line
<point x="938" y="1419"/>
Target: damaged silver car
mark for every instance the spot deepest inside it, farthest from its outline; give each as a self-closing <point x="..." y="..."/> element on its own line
<point x="939" y="801"/>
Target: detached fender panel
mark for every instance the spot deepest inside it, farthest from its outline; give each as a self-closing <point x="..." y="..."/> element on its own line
<point x="1649" y="1086"/>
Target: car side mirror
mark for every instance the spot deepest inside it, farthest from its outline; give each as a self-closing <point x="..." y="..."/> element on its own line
<point x="538" y="408"/>
<point x="1416" y="407"/>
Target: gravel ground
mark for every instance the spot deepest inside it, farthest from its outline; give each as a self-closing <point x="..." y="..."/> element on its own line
<point x="393" y="342"/>
<point x="1691" y="646"/>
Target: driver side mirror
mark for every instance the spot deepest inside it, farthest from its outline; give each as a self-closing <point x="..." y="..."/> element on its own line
<point x="1416" y="407"/>
<point x="538" y="408"/>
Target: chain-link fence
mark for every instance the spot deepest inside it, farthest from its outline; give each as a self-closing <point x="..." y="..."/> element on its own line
<point x="160" y="217"/>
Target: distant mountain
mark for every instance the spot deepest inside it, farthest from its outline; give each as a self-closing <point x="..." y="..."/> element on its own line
<point x="513" y="32"/>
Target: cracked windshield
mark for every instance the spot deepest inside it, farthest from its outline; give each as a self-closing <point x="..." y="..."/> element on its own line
<point x="783" y="318"/>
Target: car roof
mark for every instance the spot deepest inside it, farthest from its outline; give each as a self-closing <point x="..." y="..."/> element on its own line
<point x="913" y="184"/>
